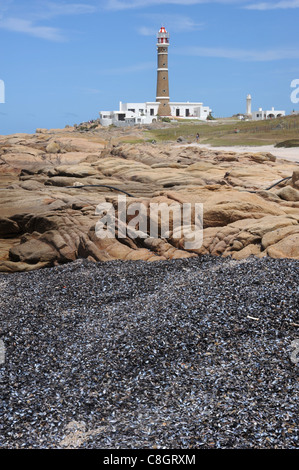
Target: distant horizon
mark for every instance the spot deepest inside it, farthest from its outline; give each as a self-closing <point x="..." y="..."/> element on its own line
<point x="63" y="63"/>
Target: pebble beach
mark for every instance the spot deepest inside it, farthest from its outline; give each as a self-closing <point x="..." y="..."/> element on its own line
<point x="182" y="354"/>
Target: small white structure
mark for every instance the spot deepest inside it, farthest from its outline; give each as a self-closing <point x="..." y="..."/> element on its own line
<point x="189" y="110"/>
<point x="261" y="114"/>
<point x="248" y="105"/>
<point x="130" y="114"/>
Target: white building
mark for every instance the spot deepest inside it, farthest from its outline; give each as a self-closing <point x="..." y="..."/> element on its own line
<point x="261" y="114"/>
<point x="146" y="113"/>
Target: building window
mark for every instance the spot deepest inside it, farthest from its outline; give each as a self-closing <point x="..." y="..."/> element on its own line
<point x="151" y="112"/>
<point x="132" y="110"/>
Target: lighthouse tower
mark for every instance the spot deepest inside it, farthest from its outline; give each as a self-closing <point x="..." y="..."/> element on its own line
<point x="248" y="105"/>
<point x="162" y="95"/>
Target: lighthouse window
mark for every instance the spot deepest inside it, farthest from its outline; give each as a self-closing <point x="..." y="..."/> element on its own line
<point x="164" y="78"/>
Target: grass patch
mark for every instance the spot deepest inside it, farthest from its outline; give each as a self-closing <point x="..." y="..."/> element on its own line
<point x="288" y="143"/>
<point x="132" y="141"/>
<point x="222" y="132"/>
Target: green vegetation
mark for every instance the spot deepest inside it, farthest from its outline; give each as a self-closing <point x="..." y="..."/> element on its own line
<point x="132" y="141"/>
<point x="222" y="132"/>
<point x="288" y="143"/>
<point x="210" y="117"/>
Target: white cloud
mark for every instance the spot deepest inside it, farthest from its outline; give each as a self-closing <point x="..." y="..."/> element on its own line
<point x="52" y="9"/>
<point x="266" y="5"/>
<point x="130" y="4"/>
<point x="175" y="23"/>
<point x="262" y="6"/>
<point x="18" y="25"/>
<point x="28" y="20"/>
<point x="241" y="54"/>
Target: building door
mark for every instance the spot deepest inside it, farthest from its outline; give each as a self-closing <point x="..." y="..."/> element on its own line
<point x="187" y="112"/>
<point x="177" y="113"/>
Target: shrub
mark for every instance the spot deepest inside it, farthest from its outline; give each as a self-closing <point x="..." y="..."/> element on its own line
<point x="210" y="117"/>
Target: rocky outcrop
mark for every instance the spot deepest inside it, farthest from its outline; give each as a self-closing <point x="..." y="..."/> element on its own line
<point x="288" y="194"/>
<point x="52" y="182"/>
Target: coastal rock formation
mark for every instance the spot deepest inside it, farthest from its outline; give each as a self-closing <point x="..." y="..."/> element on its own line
<point x="52" y="182"/>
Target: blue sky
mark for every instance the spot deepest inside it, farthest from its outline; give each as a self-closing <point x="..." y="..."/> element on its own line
<point x="63" y="62"/>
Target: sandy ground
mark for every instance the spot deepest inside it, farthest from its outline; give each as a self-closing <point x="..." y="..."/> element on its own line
<point x="291" y="154"/>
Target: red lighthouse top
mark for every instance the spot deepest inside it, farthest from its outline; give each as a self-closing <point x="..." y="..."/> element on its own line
<point x="163" y="36"/>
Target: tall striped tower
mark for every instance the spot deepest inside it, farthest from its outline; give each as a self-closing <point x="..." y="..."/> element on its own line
<point x="162" y="94"/>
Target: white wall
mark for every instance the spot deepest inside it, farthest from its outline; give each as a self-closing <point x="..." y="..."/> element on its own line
<point x="260" y="114"/>
<point x="142" y="112"/>
<point x="196" y="110"/>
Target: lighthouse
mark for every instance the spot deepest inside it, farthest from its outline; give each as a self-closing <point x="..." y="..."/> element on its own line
<point x="132" y="113"/>
<point x="248" y="105"/>
<point x="162" y="95"/>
